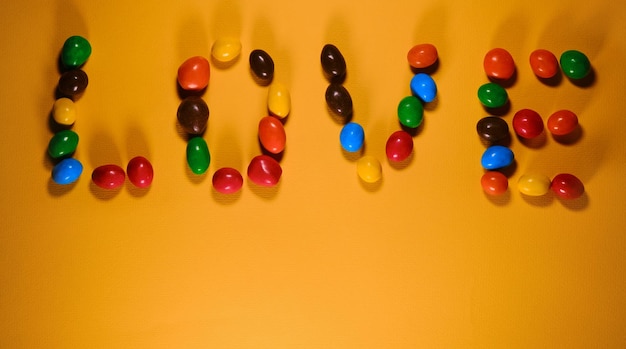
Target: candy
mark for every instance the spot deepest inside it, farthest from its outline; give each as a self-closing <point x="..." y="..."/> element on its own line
<point x="338" y="99"/>
<point x="410" y="111"/>
<point x="567" y="186"/>
<point x="422" y="56"/>
<point x="533" y="184"/>
<point x="108" y="176"/>
<point x="227" y="180"/>
<point x="262" y="65"/>
<point x="278" y="100"/>
<point x="369" y="169"/>
<point x="496" y="156"/>
<point x="226" y="49"/>
<point x="272" y="134"/>
<point x="352" y="137"/>
<point x="499" y="64"/>
<point x="76" y="50"/>
<point x="67" y="171"/>
<point x="399" y="146"/>
<point x="193" y="115"/>
<point x="494" y="183"/>
<point x="575" y="64"/>
<point x="333" y="63"/>
<point x="64" y="111"/>
<point x="72" y="83"/>
<point x="63" y="144"/>
<point x="492" y="129"/>
<point x="198" y="156"/>
<point x="424" y="87"/>
<point x="140" y="172"/>
<point x="194" y="73"/>
<point x="263" y="170"/>
<point x="527" y="123"/>
<point x="544" y="63"/>
<point x="492" y="95"/>
<point x="562" y="122"/>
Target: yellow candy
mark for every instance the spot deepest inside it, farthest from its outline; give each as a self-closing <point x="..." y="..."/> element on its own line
<point x="64" y="111"/>
<point x="369" y="169"/>
<point x="278" y="100"/>
<point x="533" y="184"/>
<point x="226" y="49"/>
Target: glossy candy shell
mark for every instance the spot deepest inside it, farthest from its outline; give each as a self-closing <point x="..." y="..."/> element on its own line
<point x="72" y="83"/>
<point x="533" y="184"/>
<point x="333" y="63"/>
<point x="198" y="155"/>
<point x="67" y="171"/>
<point x="76" y="50"/>
<point x="498" y="63"/>
<point x="140" y="172"/>
<point x="492" y="95"/>
<point x="527" y="123"/>
<point x="262" y="65"/>
<point x="544" y="63"/>
<point x="194" y="73"/>
<point x="226" y="49"/>
<point x="278" y="100"/>
<point x="193" y="115"/>
<point x="369" y="169"/>
<point x="423" y="86"/>
<point x="422" y="56"/>
<point x="227" y="180"/>
<point x="494" y="183"/>
<point x="567" y="186"/>
<point x="562" y="122"/>
<point x="410" y="111"/>
<point x="492" y="129"/>
<point x="399" y="146"/>
<point x="108" y="176"/>
<point x="496" y="156"/>
<point x="64" y="111"/>
<point x="63" y="144"/>
<point x="264" y="170"/>
<point x="272" y="134"/>
<point x="575" y="64"/>
<point x="352" y="137"/>
<point x="338" y="100"/>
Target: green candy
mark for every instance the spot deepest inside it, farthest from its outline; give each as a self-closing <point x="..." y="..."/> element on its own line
<point x="63" y="144"/>
<point x="575" y="64"/>
<point x="410" y="111"/>
<point x="76" y="51"/>
<point x="492" y="95"/>
<point x="198" y="156"/>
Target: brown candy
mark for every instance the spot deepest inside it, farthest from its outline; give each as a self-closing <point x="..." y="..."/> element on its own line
<point x="333" y="63"/>
<point x="492" y="129"/>
<point x="338" y="100"/>
<point x="72" y="83"/>
<point x="193" y="115"/>
<point x="262" y="65"/>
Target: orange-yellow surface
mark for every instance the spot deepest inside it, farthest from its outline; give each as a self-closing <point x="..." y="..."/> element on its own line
<point x="423" y="259"/>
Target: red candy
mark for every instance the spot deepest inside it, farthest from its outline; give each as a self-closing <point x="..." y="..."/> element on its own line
<point x="227" y="180"/>
<point x="494" y="183"/>
<point x="399" y="146"/>
<point x="422" y="56"/>
<point x="544" y="63"/>
<point x="108" y="176"/>
<point x="567" y="186"/>
<point x="140" y="172"/>
<point x="264" y="171"/>
<point x="272" y="134"/>
<point x="499" y="64"/>
<point x="194" y="73"/>
<point x="527" y="123"/>
<point x="562" y="122"/>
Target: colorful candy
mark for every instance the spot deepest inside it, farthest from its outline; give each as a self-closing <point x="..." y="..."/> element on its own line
<point x="193" y="115"/>
<point x="527" y="123"/>
<point x="533" y="184"/>
<point x="544" y="63"/>
<point x="198" y="156"/>
<point x="262" y="65"/>
<point x="227" y="180"/>
<point x="339" y="100"/>
<point x="496" y="156"/>
<point x="424" y="87"/>
<point x="492" y="95"/>
<point x="63" y="144"/>
<point x="567" y="186"/>
<point x="72" y="83"/>
<point x="76" y="50"/>
<point x="264" y="170"/>
<point x="108" y="176"/>
<point x="140" y="172"/>
<point x="194" y="73"/>
<point x="410" y="111"/>
<point x="369" y="169"/>
<point x="226" y="49"/>
<point x="64" y="111"/>
<point x="562" y="122"/>
<point x="67" y="171"/>
<point x="278" y="100"/>
<point x="494" y="183"/>
<point x="498" y="64"/>
<point x="352" y="137"/>
<point x="575" y="64"/>
<point x="492" y="129"/>
<point x="333" y="63"/>
<point x="399" y="146"/>
<point x="272" y="134"/>
<point x="422" y="56"/>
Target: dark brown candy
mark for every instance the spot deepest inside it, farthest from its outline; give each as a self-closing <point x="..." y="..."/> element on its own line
<point x="333" y="63"/>
<point x="338" y="100"/>
<point x="492" y="129"/>
<point x="262" y="65"/>
<point x="72" y="83"/>
<point x="193" y="115"/>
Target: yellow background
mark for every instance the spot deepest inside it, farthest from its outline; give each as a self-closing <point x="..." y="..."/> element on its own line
<point x="423" y="259"/>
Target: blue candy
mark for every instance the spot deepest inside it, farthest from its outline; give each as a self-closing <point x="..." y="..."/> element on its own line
<point x="352" y="137"/>
<point x="496" y="157"/>
<point x="67" y="171"/>
<point x="424" y="87"/>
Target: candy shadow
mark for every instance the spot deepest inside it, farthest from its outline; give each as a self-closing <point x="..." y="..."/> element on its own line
<point x="372" y="187"/>
<point x="54" y="126"/>
<point x="536" y="142"/>
<point x="59" y="190"/>
<point x="339" y="119"/>
<point x="570" y="138"/>
<point x="226" y="199"/>
<point x="506" y="83"/>
<point x="225" y="65"/>
<point x="587" y="82"/>
<point x="103" y="194"/>
<point x="136" y="191"/>
<point x="102" y="151"/>
<point x="505" y="142"/>
<point x="539" y="201"/>
<point x="554" y="81"/>
<point x="182" y="93"/>
<point x="265" y="193"/>
<point x="430" y="70"/>
<point x="579" y="204"/>
<point x="499" y="111"/>
<point x="414" y="131"/>
<point x="499" y="200"/>
<point x="353" y="156"/>
<point x="401" y="165"/>
<point x="432" y="105"/>
<point x="195" y="179"/>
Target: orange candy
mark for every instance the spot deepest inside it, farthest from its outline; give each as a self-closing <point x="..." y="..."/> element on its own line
<point x="422" y="56"/>
<point x="499" y="64"/>
<point x="272" y="134"/>
<point x="494" y="183"/>
<point x="544" y="63"/>
<point x="562" y="122"/>
<point x="194" y="73"/>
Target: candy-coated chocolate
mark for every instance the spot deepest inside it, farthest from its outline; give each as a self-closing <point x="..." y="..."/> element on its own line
<point x="67" y="171"/>
<point x="108" y="176"/>
<point x="227" y="180"/>
<point x="264" y="170"/>
<point x="492" y="95"/>
<point x="527" y="123"/>
<point x="498" y="63"/>
<point x="399" y="146"/>
<point x="333" y="63"/>
<point x="496" y="156"/>
<point x="544" y="63"/>
<point x="193" y="115"/>
<point x="567" y="186"/>
<point x="562" y="122"/>
<point x="198" y="155"/>
<point x="533" y="184"/>
<point x="492" y="129"/>
<point x="72" y="83"/>
<point x="494" y="183"/>
<point x="278" y="100"/>
<point x="369" y="169"/>
<point x="64" y="111"/>
<point x="194" y="73"/>
<point x="262" y="65"/>
<point x="226" y="49"/>
<point x="338" y="99"/>
<point x="140" y="172"/>
<point x="424" y="87"/>
<point x="575" y="64"/>
<point x="63" y="144"/>
<point x="410" y="111"/>
<point x="422" y="56"/>
<point x="76" y="50"/>
<point x="352" y="137"/>
<point x="272" y="134"/>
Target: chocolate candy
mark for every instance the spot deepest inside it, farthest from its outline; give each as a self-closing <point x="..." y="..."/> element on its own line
<point x="339" y="100"/>
<point x="422" y="56"/>
<point x="227" y="180"/>
<point x="544" y="63"/>
<point x="369" y="169"/>
<point x="226" y="49"/>
<point x="67" y="171"/>
<point x="262" y="65"/>
<point x="399" y="146"/>
<point x="496" y="156"/>
<point x="575" y="64"/>
<point x="108" y="176"/>
<point x="410" y="111"/>
<point x="494" y="183"/>
<point x="72" y="83"/>
<point x="562" y="122"/>
<point x="264" y="170"/>
<point x="63" y="144"/>
<point x="272" y="134"/>
<point x="333" y="63"/>
<point x="527" y="123"/>
<point x="64" y="111"/>
<point x="567" y="186"/>
<point x="492" y="95"/>
<point x="351" y="137"/>
<point x="498" y="63"/>
<point x="492" y="129"/>
<point x="194" y="74"/>
<point x="533" y="184"/>
<point x="76" y="50"/>
<point x="424" y="87"/>
<point x="193" y="115"/>
<point x="140" y="172"/>
<point x="198" y="156"/>
<point x="278" y="100"/>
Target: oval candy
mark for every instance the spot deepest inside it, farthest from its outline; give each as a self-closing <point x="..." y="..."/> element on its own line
<point x="422" y="56"/>
<point x="278" y="100"/>
<point x="575" y="64"/>
<point x="67" y="171"/>
<point x="533" y="184"/>
<point x="262" y="65"/>
<point x="410" y="111"/>
<point x="544" y="63"/>
<point x="399" y="146"/>
<point x="64" y="111"/>
<point x="424" y="87"/>
<point x="194" y="74"/>
<point x="198" y="155"/>
<point x="352" y="137"/>
<point x="492" y="95"/>
<point x="339" y="100"/>
<point x="369" y="169"/>
<point x="108" y="176"/>
<point x="63" y="144"/>
<point x="264" y="170"/>
<point x="567" y="186"/>
<point x="193" y="115"/>
<point x="227" y="180"/>
<point x="72" y="83"/>
<point x="496" y="156"/>
<point x="272" y="134"/>
<point x="76" y="50"/>
<point x="498" y="63"/>
<point x="226" y="49"/>
<point x="333" y="63"/>
<point x="562" y="122"/>
<point x="492" y="129"/>
<point x="494" y="183"/>
<point x="140" y="172"/>
<point x="527" y="123"/>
